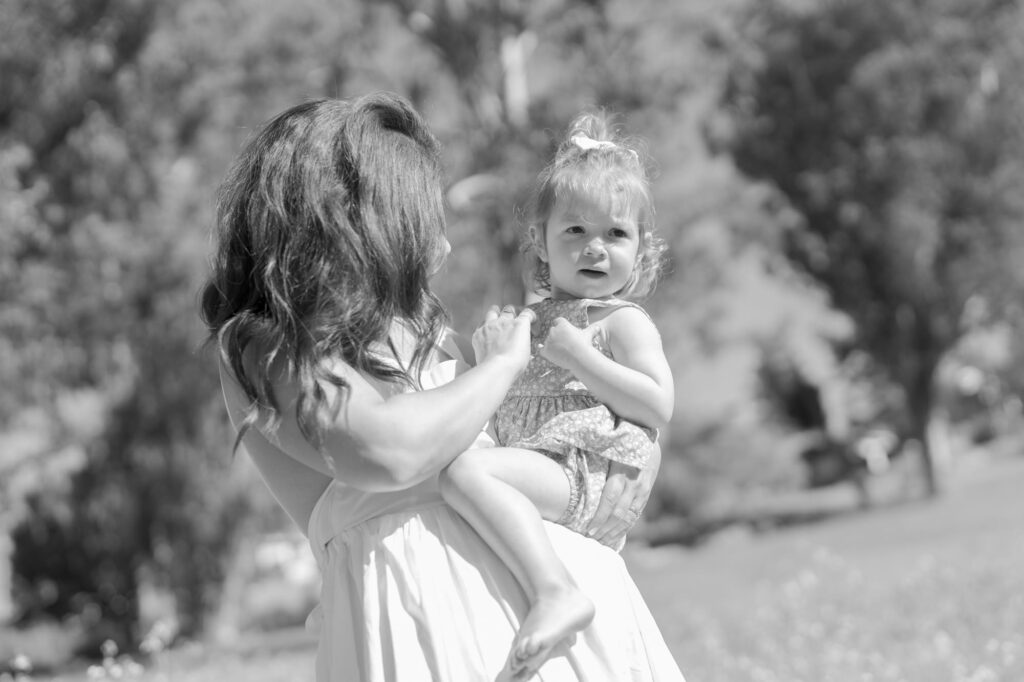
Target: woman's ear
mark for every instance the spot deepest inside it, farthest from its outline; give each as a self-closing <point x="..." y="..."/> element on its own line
<point x="537" y="239"/>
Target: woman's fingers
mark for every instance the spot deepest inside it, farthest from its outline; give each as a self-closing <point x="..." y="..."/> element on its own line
<point x="625" y="496"/>
<point x="503" y="331"/>
<point x="507" y="310"/>
<point x="613" y="533"/>
<point x="621" y="504"/>
<point x="603" y="521"/>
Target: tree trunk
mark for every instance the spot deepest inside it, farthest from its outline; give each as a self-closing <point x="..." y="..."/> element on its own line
<point x="920" y="403"/>
<point x="225" y="623"/>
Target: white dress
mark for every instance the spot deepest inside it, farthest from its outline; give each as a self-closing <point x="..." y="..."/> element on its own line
<point x="412" y="594"/>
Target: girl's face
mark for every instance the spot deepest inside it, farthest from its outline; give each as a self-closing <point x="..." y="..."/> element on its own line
<point x="590" y="250"/>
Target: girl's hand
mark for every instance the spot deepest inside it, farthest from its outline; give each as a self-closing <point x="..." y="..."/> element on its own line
<point x="623" y="500"/>
<point x="504" y="334"/>
<point x="566" y="341"/>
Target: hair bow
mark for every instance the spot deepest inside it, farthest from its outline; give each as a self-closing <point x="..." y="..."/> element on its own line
<point x="587" y="143"/>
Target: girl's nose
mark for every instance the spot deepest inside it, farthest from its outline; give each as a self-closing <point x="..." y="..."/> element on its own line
<point x="594" y="249"/>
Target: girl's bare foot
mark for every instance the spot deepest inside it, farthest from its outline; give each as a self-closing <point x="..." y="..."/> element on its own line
<point x="555" y="615"/>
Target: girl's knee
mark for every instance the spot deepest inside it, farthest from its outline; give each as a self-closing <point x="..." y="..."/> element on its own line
<point x="459" y="472"/>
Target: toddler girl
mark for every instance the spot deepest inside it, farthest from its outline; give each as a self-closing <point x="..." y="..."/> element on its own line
<point x="595" y="391"/>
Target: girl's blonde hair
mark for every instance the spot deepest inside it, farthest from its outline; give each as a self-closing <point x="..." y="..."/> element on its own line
<point x="595" y="161"/>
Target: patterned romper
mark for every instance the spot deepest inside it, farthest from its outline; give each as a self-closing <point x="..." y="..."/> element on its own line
<point x="549" y="410"/>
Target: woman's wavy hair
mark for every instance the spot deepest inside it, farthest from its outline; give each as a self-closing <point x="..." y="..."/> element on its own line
<point x="329" y="226"/>
<point x="595" y="161"/>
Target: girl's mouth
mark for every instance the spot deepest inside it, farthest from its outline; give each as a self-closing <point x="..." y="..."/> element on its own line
<point x="592" y="274"/>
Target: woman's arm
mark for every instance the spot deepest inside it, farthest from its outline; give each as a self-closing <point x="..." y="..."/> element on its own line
<point x="393" y="442"/>
<point x="637" y="384"/>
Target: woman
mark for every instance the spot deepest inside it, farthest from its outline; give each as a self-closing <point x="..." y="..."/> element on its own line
<point x="350" y="395"/>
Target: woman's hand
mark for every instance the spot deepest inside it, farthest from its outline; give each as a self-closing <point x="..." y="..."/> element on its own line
<point x="566" y="342"/>
<point x="504" y="334"/>
<point x="625" y="495"/>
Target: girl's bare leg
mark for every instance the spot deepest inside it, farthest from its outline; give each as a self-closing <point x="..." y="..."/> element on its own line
<point x="504" y="494"/>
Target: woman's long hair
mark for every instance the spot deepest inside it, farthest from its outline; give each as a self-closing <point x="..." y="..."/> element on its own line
<point x="329" y="225"/>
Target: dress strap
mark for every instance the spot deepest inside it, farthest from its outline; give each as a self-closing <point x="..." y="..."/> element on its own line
<point x="448" y="345"/>
<point x="612" y="303"/>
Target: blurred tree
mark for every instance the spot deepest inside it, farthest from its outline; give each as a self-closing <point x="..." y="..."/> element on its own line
<point x="516" y="74"/>
<point x="894" y="130"/>
<point x="100" y="221"/>
<point x="117" y="119"/>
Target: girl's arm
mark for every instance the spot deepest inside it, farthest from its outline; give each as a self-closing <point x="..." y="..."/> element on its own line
<point x="637" y="384"/>
<point x="391" y="442"/>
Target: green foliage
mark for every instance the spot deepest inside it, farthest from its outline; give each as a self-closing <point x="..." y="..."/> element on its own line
<point x="98" y="270"/>
<point x="893" y="129"/>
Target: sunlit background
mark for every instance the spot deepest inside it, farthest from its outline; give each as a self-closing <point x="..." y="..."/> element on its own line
<point x="841" y="186"/>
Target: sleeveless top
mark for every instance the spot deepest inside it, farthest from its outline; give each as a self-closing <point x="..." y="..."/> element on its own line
<point x="550" y="410"/>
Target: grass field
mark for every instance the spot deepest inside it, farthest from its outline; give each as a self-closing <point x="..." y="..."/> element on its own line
<point x="924" y="592"/>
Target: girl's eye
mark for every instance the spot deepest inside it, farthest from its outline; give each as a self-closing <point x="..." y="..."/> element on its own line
<point x="618" y="233"/>
<point x="574" y="229"/>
